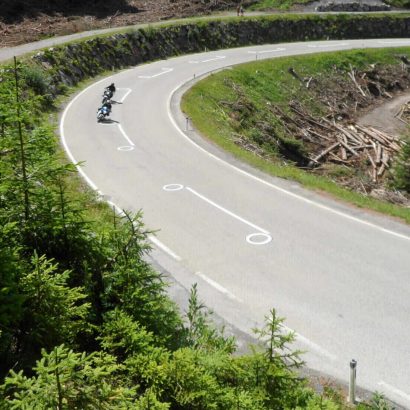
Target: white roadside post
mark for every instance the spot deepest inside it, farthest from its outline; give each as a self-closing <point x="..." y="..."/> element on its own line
<point x="352" y="382"/>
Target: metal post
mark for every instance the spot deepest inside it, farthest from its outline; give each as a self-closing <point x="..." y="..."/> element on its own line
<point x="187" y="123"/>
<point x="352" y="382"/>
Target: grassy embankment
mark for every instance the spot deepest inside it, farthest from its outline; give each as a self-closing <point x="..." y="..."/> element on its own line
<point x="277" y="4"/>
<point x="286" y="4"/>
<point x="269" y="82"/>
<point x="399" y="3"/>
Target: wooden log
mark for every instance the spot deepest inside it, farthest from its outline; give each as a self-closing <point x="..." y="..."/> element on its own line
<point x="319" y="135"/>
<point x="371" y="160"/>
<point x="378" y="153"/>
<point x="337" y="158"/>
<point x="352" y="76"/>
<point x="324" y="152"/>
<point x="395" y="147"/>
<point x="349" y="148"/>
<point x="341" y="129"/>
<point x="385" y="159"/>
<point x="381" y="170"/>
<point x="382" y="135"/>
<point x="374" y="175"/>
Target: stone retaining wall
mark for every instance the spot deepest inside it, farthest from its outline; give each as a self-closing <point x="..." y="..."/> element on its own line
<point x="72" y="63"/>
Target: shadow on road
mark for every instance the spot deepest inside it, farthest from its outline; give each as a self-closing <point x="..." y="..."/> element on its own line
<point x="109" y="121"/>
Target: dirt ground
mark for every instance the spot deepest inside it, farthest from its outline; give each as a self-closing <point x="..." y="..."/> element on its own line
<point x="23" y="21"/>
<point x="384" y="116"/>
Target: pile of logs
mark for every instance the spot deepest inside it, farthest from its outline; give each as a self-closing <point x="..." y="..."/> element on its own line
<point x="329" y="141"/>
<point x="404" y="113"/>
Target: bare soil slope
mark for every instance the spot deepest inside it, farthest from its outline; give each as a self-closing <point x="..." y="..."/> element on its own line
<point x="23" y="21"/>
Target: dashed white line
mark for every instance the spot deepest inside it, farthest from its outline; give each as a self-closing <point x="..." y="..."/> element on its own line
<point x="165" y="70"/>
<point x="152" y="238"/>
<point x="126" y="94"/>
<point x="267" y="51"/>
<point x="163" y="247"/>
<point x="395" y="390"/>
<point x="221" y="208"/>
<point x="207" y="60"/>
<point x="310" y="344"/>
<point x="125" y="135"/>
<point x="217" y="286"/>
<point x="327" y="45"/>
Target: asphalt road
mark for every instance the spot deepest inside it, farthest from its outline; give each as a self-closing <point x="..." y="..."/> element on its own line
<point x="339" y="275"/>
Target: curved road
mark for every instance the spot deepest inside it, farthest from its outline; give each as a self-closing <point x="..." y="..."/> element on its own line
<point x="339" y="275"/>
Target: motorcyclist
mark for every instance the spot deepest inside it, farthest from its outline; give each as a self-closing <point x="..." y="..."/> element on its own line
<point x="108" y="106"/>
<point x="111" y="88"/>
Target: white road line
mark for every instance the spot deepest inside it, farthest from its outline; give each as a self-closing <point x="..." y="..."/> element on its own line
<point x="310" y="344"/>
<point x="163" y="247"/>
<point x="152" y="238"/>
<point x="126" y="94"/>
<point x="327" y="45"/>
<point x="217" y="286"/>
<point x="64" y="141"/>
<point x="395" y="390"/>
<point x="221" y="208"/>
<point x="213" y="59"/>
<point x="206" y="61"/>
<point x="269" y="184"/>
<point x="117" y="208"/>
<point x="125" y="135"/>
<point x="165" y="70"/>
<point x="267" y="51"/>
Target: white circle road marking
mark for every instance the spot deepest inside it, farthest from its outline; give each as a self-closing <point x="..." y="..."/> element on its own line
<point x="173" y="187"/>
<point x="125" y="148"/>
<point x="252" y="238"/>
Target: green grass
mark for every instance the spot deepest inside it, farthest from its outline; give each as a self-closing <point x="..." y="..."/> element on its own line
<point x="277" y="4"/>
<point x="268" y="81"/>
<point x="399" y="3"/>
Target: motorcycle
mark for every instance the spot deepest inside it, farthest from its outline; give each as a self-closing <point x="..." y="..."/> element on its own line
<point x="102" y="113"/>
<point x="107" y="96"/>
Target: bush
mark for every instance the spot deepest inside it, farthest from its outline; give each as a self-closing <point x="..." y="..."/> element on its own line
<point x="36" y="79"/>
<point x="401" y="170"/>
<point x="405" y="4"/>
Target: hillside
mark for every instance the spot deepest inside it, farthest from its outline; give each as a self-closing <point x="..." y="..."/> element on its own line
<point x="24" y="21"/>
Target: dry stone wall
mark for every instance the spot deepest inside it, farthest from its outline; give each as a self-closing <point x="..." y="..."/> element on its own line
<point x="72" y="63"/>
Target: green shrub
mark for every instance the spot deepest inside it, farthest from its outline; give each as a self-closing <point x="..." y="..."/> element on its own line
<point x="36" y="79"/>
<point x="405" y="4"/>
<point x="401" y="170"/>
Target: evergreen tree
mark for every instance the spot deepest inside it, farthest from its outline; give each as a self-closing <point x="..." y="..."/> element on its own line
<point x="53" y="312"/>
<point x="401" y="170"/>
<point x="66" y="380"/>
